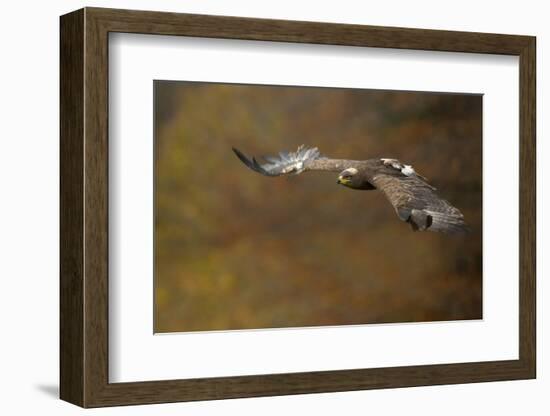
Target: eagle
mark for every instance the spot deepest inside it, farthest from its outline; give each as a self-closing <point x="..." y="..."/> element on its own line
<point x="413" y="198"/>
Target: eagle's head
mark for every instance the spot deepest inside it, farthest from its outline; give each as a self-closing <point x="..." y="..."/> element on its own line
<point x="350" y="178"/>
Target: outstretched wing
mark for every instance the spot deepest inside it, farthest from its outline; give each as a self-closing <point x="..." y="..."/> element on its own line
<point x="416" y="202"/>
<point x="294" y="162"/>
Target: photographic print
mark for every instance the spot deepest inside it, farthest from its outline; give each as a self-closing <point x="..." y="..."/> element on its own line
<point x="291" y="206"/>
<point x="226" y="232"/>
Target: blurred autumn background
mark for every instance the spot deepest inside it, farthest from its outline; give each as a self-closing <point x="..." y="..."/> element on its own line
<point x="236" y="250"/>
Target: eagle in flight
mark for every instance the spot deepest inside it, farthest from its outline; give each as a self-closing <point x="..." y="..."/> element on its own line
<point x="410" y="194"/>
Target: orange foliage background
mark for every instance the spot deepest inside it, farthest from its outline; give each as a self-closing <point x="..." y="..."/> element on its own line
<point x="235" y="250"/>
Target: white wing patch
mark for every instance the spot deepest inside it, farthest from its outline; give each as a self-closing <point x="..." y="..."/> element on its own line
<point x="295" y="167"/>
<point x="284" y="163"/>
<point x="406" y="170"/>
<point x="294" y="161"/>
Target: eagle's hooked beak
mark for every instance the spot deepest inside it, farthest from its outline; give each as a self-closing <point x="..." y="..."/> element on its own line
<point x="342" y="181"/>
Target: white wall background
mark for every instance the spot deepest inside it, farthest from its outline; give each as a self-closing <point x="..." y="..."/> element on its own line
<point x="29" y="169"/>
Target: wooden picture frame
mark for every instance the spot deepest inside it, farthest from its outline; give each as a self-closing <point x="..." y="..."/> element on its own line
<point x="84" y="207"/>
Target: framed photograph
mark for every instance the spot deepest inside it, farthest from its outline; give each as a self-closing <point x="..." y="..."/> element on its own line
<point x="255" y="207"/>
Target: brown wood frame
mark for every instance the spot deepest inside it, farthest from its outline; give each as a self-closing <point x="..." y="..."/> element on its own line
<point x="84" y="207"/>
